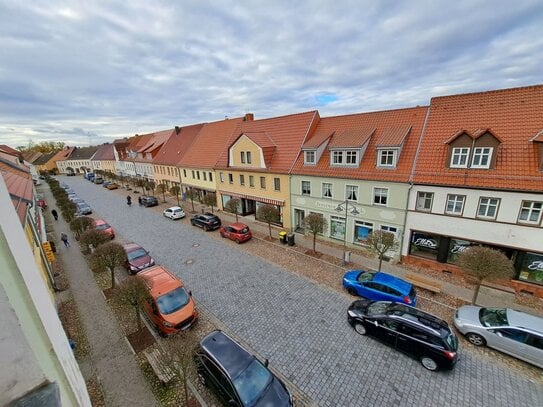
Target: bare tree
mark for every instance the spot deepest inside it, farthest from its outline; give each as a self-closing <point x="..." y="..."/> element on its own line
<point x="179" y="357"/>
<point x="80" y="225"/>
<point x="150" y="186"/>
<point x="133" y="292"/>
<point x="233" y="206"/>
<point x="108" y="256"/>
<point x="161" y="189"/>
<point x="380" y="242"/>
<point x="210" y="199"/>
<point x="315" y="224"/>
<point x="482" y="262"/>
<point x="93" y="238"/>
<point x="269" y="214"/>
<point x="192" y="194"/>
<point x="176" y="190"/>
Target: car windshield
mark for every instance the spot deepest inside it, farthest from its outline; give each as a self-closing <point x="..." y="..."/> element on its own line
<point x="493" y="317"/>
<point x="135" y="254"/>
<point x="244" y="230"/>
<point x="252" y="382"/>
<point x="102" y="226"/>
<point x="172" y="301"/>
<point x="364" y="276"/>
<point x="377" y="308"/>
<point x="452" y="341"/>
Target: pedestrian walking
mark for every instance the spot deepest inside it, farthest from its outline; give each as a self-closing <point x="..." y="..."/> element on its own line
<point x="55" y="214"/>
<point x="139" y="200"/>
<point x="64" y="238"/>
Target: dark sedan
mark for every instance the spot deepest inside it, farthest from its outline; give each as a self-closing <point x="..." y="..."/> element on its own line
<point x="147" y="201"/>
<point x="207" y="221"/>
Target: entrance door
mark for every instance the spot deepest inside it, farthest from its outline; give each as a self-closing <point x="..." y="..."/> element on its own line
<point x="299" y="215"/>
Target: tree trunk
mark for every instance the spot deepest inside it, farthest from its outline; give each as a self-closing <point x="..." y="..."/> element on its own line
<point x="380" y="261"/>
<point x="236" y="215"/>
<point x="314" y="242"/>
<point x="269" y="226"/>
<point x="476" y="292"/>
<point x="138" y="319"/>
<point x="112" y="278"/>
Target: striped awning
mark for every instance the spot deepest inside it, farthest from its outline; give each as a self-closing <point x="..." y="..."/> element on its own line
<point x="254" y="198"/>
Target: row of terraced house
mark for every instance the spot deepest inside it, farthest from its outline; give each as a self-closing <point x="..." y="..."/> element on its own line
<point x="465" y="170"/>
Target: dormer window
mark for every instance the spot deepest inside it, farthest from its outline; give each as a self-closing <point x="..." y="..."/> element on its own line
<point x="387" y="158"/>
<point x="459" y="157"/>
<point x="337" y="157"/>
<point x="344" y="157"/>
<point x="309" y="157"/>
<point x="481" y="157"/>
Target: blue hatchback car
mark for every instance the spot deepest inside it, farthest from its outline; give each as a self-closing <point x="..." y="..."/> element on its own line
<point x="378" y="286"/>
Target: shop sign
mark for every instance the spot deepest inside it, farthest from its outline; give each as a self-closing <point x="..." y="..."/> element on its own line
<point x="48" y="252"/>
<point x="425" y="242"/>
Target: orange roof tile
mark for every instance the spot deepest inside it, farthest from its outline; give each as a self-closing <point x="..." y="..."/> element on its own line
<point x="513" y="116"/>
<point x="176" y="146"/>
<point x="353" y="137"/>
<point x="393" y="136"/>
<point x="286" y="133"/>
<point x="262" y="139"/>
<point x="384" y="123"/>
<point x="210" y="142"/>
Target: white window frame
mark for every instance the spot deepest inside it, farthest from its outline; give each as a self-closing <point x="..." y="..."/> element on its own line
<point x="251" y="181"/>
<point x="230" y="178"/>
<point x="455" y="200"/>
<point x="242" y="154"/>
<point x="277" y="184"/>
<point x="390" y="229"/>
<point x="329" y="190"/>
<point x="424" y="200"/>
<point x="378" y="196"/>
<point x="479" y="154"/>
<point x="306" y="191"/>
<point x="310" y="157"/>
<point x="221" y="176"/>
<point x="460" y="154"/>
<point x="349" y="191"/>
<point x="486" y="204"/>
<point x="530" y="208"/>
<point x="351" y="157"/>
<point x="336" y="158"/>
<point x="249" y="158"/>
<point x="387" y="158"/>
<point x="241" y="179"/>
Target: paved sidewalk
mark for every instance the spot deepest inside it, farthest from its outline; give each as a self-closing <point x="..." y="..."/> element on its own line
<point x="111" y="359"/>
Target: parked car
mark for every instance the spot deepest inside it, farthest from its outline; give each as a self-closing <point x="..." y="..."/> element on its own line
<point x="236" y="376"/>
<point x="410" y="330"/>
<point x="147" y="200"/>
<point x="83" y="208"/>
<point x="175" y="212"/>
<point x="516" y="333"/>
<point x="42" y="203"/>
<point x="101" y="224"/>
<point x="379" y="286"/>
<point x="207" y="221"/>
<point x="137" y="258"/>
<point x="89" y="175"/>
<point x="113" y="185"/>
<point x="105" y="184"/>
<point x="98" y="180"/>
<point x="238" y="232"/>
<point x="169" y="305"/>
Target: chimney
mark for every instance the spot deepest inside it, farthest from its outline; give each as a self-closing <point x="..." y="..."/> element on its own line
<point x="177" y="129"/>
<point x="249" y="117"/>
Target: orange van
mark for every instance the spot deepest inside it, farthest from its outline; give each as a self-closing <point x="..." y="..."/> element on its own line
<point x="169" y="306"/>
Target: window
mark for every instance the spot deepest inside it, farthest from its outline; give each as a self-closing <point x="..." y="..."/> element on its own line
<point x="198" y="174"/>
<point x="277" y="184"/>
<point x="249" y="160"/>
<point x="193" y="175"/>
<point x="337" y="227"/>
<point x="530" y="212"/>
<point x="351" y="193"/>
<point x="211" y="176"/>
<point x="362" y="231"/>
<point x="263" y="182"/>
<point x="251" y="181"/>
<point x="459" y="157"/>
<point x="221" y="176"/>
<point x="352" y="157"/>
<point x="243" y="157"/>
<point x="424" y="201"/>
<point x="380" y="196"/>
<point x="488" y="208"/>
<point x="184" y="172"/>
<point x="230" y="178"/>
<point x="309" y="157"/>
<point x="326" y="190"/>
<point x="390" y="229"/>
<point x="455" y="204"/>
<point x="387" y="158"/>
<point x="306" y="188"/>
<point x="337" y="157"/>
<point x="241" y="179"/>
<point x="481" y="157"/>
<point x="205" y="176"/>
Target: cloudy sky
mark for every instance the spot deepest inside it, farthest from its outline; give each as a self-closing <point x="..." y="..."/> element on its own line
<point x="86" y="72"/>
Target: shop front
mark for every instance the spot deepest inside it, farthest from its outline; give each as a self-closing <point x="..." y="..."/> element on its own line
<point x="249" y="205"/>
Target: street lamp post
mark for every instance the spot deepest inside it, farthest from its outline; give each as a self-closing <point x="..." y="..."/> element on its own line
<point x="346" y="205"/>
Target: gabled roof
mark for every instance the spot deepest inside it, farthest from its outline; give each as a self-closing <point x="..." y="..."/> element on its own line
<point x="156" y="141"/>
<point x="31" y="156"/>
<point x="9" y="150"/>
<point x="104" y="153"/>
<point x="260" y="138"/>
<point x="83" y="153"/>
<point x="514" y="117"/>
<point x="211" y="141"/>
<point x="373" y="128"/>
<point x="177" y="145"/>
<point x="538" y="137"/>
<point x="286" y="134"/>
<point x="44" y="158"/>
<point x="19" y="185"/>
<point x="63" y="154"/>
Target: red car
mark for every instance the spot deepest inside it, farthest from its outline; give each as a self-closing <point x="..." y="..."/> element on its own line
<point x="42" y="203"/>
<point x="101" y="224"/>
<point x="238" y="232"/>
<point x="137" y="258"/>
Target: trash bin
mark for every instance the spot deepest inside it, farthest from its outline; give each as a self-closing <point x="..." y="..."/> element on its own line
<point x="347" y="257"/>
<point x="283" y="237"/>
<point x="290" y="239"/>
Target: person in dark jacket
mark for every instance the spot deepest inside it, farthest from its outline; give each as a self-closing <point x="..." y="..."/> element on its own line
<point x="55" y="214"/>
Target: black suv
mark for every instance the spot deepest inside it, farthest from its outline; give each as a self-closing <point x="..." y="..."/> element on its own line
<point x="238" y="377"/>
<point x="148" y="200"/>
<point x="207" y="221"/>
<point x="407" y="329"/>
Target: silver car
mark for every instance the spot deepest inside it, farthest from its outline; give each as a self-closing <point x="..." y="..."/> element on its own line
<point x="513" y="332"/>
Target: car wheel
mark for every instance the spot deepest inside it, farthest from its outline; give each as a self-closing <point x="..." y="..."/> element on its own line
<point x="475" y="339"/>
<point x="351" y="291"/>
<point x="360" y="328"/>
<point x="429" y="363"/>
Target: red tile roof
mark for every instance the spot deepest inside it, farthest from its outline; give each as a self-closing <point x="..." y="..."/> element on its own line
<point x="104" y="152"/>
<point x="513" y="116"/>
<point x="286" y="135"/>
<point x="352" y="137"/>
<point x="393" y="136"/>
<point x="9" y="150"/>
<point x="19" y="185"/>
<point x="211" y="141"/>
<point x="177" y="145"/>
<point x="63" y="154"/>
<point x="388" y="126"/>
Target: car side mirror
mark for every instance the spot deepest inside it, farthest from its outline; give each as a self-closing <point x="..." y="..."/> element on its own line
<point x="375" y="323"/>
<point x="266" y="362"/>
